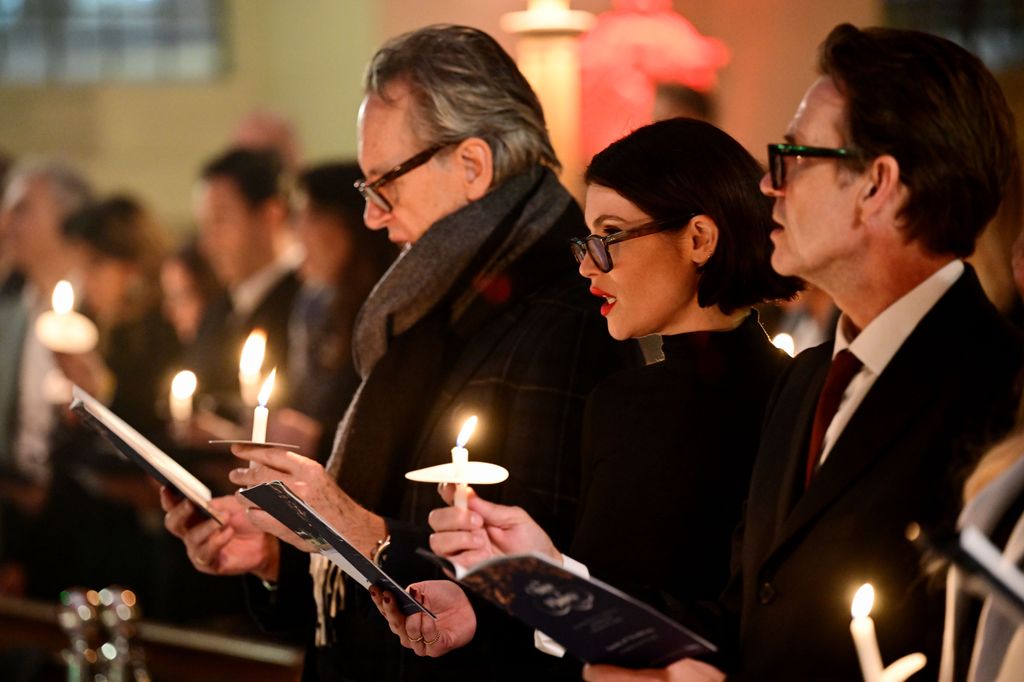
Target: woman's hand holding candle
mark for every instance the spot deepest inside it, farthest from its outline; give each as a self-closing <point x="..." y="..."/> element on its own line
<point x="483" y="530"/>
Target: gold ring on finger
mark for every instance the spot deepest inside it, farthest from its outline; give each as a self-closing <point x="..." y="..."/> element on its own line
<point x="437" y="636"/>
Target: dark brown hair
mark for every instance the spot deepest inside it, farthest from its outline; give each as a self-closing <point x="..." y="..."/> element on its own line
<point x="937" y="110"/>
<point x="329" y="188"/>
<point x="120" y="228"/>
<point x="259" y="175"/>
<point x="675" y="168"/>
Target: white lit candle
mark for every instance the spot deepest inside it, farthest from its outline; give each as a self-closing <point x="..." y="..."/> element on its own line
<point x="863" y="630"/>
<point x="182" y="388"/>
<point x="250" y="364"/>
<point x="460" y="462"/>
<point x="62" y="330"/>
<point x="785" y="343"/>
<point x="262" y="414"/>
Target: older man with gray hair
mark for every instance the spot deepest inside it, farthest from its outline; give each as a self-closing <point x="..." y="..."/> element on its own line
<point x="482" y="314"/>
<point x="39" y="195"/>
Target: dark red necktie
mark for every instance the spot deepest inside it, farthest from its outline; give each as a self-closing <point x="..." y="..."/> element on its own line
<point x="845" y="366"/>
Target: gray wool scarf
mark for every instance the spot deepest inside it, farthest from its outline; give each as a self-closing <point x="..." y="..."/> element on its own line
<point x="424" y="273"/>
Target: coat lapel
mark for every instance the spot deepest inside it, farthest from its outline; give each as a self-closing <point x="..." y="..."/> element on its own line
<point x="796" y="458"/>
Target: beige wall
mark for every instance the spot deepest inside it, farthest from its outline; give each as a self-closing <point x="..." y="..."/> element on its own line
<point x="305" y="58"/>
<point x="773" y="48"/>
<point x="773" y="44"/>
<point x="151" y="139"/>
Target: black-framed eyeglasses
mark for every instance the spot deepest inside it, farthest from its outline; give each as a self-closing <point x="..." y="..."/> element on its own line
<point x="371" y="190"/>
<point x="777" y="154"/>
<point x="596" y="245"/>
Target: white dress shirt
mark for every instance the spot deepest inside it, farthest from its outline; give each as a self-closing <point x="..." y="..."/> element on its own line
<point x="248" y="294"/>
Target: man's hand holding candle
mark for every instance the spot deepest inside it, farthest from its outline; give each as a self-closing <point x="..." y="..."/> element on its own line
<point x="307" y="479"/>
<point x="483" y="530"/>
<point x="454" y="627"/>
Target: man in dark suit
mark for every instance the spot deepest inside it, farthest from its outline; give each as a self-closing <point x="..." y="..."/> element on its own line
<point x="896" y="159"/>
<point x="242" y="211"/>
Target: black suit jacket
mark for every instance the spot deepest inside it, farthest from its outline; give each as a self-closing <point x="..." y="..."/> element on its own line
<point x="215" y="353"/>
<point x="949" y="390"/>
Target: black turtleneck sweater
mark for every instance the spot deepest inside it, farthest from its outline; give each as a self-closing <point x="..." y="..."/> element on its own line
<point x="667" y="457"/>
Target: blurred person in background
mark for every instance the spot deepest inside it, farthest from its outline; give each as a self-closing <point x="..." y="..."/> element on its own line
<point x="188" y="286"/>
<point x="94" y="496"/>
<point x="118" y="251"/>
<point x="999" y="257"/>
<point x="343" y="261"/>
<point x="10" y="279"/>
<point x="262" y="130"/>
<point x="241" y="208"/>
<point x="39" y="195"/>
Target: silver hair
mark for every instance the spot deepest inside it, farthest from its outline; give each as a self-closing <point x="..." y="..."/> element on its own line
<point x="70" y="188"/>
<point x="463" y="84"/>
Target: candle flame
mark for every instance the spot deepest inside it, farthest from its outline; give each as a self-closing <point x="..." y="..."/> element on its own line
<point x="184" y="385"/>
<point x="63" y="298"/>
<point x="468" y="427"/>
<point x="253" y="352"/>
<point x="785" y="343"/>
<point x="267" y="388"/>
<point x="863" y="601"/>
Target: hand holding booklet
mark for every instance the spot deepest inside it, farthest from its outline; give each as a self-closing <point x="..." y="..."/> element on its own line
<point x="276" y="499"/>
<point x="141" y="450"/>
<point x="592" y="620"/>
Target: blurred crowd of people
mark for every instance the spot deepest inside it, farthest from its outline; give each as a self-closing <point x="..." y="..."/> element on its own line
<point x="279" y="248"/>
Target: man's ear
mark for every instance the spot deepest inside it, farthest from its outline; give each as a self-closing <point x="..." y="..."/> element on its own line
<point x="703" y="239"/>
<point x="474" y="159"/>
<point x="884" y="196"/>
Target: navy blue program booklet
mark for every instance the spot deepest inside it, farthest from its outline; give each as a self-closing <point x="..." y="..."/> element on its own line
<point x="593" y="621"/>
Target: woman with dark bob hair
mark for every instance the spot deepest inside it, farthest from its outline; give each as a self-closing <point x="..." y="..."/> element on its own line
<point x="678" y="246"/>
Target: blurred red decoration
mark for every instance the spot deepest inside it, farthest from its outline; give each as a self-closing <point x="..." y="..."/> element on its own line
<point x="628" y="52"/>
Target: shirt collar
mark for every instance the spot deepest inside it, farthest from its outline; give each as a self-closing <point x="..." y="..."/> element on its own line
<point x="248" y="294"/>
<point x="878" y="342"/>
